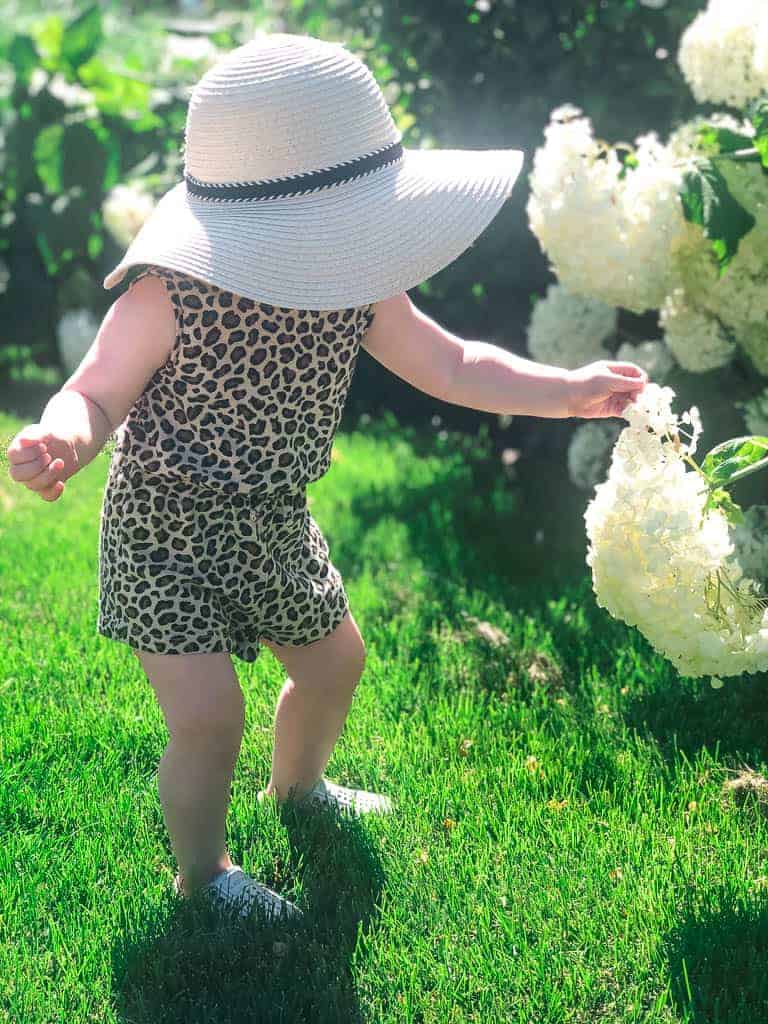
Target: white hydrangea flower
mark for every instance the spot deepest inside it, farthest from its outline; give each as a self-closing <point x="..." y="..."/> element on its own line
<point x="652" y="356"/>
<point x="124" y="211"/>
<point x="199" y="49"/>
<point x="37" y="80"/>
<point x="569" y="330"/>
<point x="72" y="94"/>
<point x="756" y="414"/>
<point x="76" y="332"/>
<point x="654" y="552"/>
<point x="718" y="52"/>
<point x="754" y="340"/>
<point x="738" y="299"/>
<point x="761" y="50"/>
<point x="623" y="259"/>
<point x="750" y="539"/>
<point x="684" y="142"/>
<point x="697" y="340"/>
<point x="589" y="452"/>
<point x="5" y="276"/>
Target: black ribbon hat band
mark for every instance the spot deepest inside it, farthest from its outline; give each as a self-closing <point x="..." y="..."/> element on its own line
<point x="296" y="184"/>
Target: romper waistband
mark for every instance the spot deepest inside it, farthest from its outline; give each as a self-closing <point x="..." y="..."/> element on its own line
<point x="289" y="497"/>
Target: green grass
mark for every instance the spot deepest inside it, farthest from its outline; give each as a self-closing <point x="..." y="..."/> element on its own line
<point x="545" y="865"/>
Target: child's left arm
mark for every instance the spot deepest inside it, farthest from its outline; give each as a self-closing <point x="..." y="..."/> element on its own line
<point x="482" y="376"/>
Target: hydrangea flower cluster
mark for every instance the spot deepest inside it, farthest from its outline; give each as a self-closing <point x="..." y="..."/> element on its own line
<point x="652" y="356"/>
<point x="197" y="49"/>
<point x="624" y="258"/>
<point x="569" y="330"/>
<point x="697" y="339"/>
<point x="756" y="414"/>
<point x="738" y="299"/>
<point x="75" y="335"/>
<point x="640" y="252"/>
<point x="124" y="211"/>
<point x="751" y="541"/>
<point x="724" y="52"/>
<point x="663" y="563"/>
<point x="589" y="452"/>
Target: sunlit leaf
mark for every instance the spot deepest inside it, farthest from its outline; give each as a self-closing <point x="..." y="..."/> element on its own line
<point x="758" y="114"/>
<point x="23" y="56"/>
<point x="46" y="153"/>
<point x="729" y="460"/>
<point x="708" y="202"/>
<point x="82" y="37"/>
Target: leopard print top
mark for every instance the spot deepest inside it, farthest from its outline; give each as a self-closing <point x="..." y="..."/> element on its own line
<point x="250" y="396"/>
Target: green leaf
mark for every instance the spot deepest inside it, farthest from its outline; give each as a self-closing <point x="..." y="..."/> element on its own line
<point x="736" y="458"/>
<point x="22" y="54"/>
<point x="757" y="112"/>
<point x="51" y="266"/>
<point x="114" y="93"/>
<point x="82" y="37"/>
<point x="49" y="33"/>
<point x="708" y="202"/>
<point x="631" y="163"/>
<point x="721" y="499"/>
<point x="758" y="115"/>
<point x="83" y="158"/>
<point x="46" y="153"/>
<point x="724" y="139"/>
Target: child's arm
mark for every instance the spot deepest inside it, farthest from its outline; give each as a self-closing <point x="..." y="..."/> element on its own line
<point x="481" y="376"/>
<point x="134" y="339"/>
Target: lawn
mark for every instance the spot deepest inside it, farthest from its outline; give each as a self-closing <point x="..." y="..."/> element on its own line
<point x="562" y="850"/>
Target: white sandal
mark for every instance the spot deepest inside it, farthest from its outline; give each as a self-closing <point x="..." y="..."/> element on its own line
<point x="233" y="889"/>
<point x="345" y="799"/>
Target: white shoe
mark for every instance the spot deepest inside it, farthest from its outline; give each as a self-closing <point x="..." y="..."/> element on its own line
<point x="347" y="800"/>
<point x="233" y="889"/>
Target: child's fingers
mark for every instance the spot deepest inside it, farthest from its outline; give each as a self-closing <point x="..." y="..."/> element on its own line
<point x="628" y="370"/>
<point x="52" y="493"/>
<point x="23" y="471"/>
<point x="631" y="387"/>
<point x="24" y="450"/>
<point x="45" y="481"/>
<point x="30" y="437"/>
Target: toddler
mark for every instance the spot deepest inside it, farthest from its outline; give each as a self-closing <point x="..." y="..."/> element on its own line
<point x="223" y="368"/>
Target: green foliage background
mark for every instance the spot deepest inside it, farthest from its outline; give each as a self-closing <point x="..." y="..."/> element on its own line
<point x="455" y="75"/>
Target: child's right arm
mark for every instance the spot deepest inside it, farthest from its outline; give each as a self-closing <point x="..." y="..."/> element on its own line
<point x="135" y="338"/>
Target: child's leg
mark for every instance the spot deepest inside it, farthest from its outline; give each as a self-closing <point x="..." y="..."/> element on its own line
<point x="203" y="707"/>
<point x="313" y="705"/>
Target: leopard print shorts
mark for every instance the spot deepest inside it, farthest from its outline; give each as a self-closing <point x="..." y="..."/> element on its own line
<point x="186" y="571"/>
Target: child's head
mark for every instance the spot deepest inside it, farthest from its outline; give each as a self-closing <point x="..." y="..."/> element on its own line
<point x="297" y="189"/>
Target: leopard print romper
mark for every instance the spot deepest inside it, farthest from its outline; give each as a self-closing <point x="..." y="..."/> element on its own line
<point x="206" y="541"/>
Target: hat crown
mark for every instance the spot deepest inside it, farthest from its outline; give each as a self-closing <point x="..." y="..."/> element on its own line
<point x="283" y="105"/>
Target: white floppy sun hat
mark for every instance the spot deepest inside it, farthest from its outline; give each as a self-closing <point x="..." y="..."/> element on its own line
<point x="298" y="192"/>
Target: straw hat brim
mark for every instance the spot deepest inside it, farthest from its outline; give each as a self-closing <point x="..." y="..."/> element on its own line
<point x="346" y="245"/>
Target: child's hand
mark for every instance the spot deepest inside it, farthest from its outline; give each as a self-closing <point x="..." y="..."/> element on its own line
<point x="41" y="461"/>
<point x="603" y="388"/>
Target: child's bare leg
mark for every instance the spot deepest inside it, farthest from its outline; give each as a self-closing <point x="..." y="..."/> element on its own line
<point x="203" y="707"/>
<point x="313" y="705"/>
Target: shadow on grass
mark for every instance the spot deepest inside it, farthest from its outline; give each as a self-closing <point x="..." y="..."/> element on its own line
<point x="472" y="530"/>
<point x="196" y="967"/>
<point x="688" y="715"/>
<point x="715" y="958"/>
<point x="471" y="526"/>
